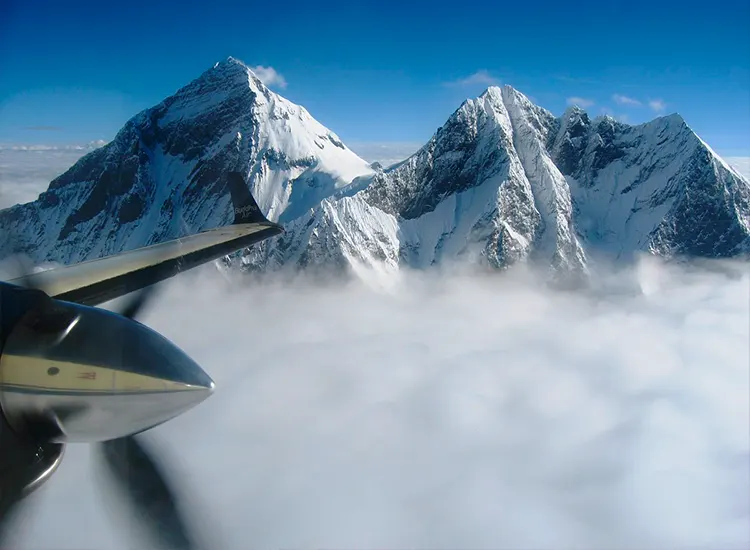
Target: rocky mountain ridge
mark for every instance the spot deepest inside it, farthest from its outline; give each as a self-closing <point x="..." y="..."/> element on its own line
<point x="502" y="181"/>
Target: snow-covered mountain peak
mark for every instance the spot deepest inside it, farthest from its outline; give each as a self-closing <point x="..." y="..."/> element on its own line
<point x="230" y="62"/>
<point x="574" y="108"/>
<point x="163" y="174"/>
<point x="507" y="106"/>
<point x="574" y="112"/>
<point x="227" y="80"/>
<point x="492" y="92"/>
<point x="675" y="122"/>
<point x="506" y="94"/>
<point x="232" y="69"/>
<point x="511" y="96"/>
<point x="287" y="143"/>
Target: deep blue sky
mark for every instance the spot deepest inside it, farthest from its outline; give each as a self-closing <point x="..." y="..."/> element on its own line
<point x="376" y="71"/>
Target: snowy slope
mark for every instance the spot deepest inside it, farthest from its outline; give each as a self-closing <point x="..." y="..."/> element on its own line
<point x="162" y="175"/>
<point x="505" y="181"/>
<point x="483" y="189"/>
<point x="655" y="187"/>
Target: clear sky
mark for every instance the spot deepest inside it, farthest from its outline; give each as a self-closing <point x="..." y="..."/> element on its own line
<point x="377" y="71"/>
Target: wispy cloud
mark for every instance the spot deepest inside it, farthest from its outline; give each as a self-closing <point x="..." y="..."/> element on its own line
<point x="580" y="101"/>
<point x="386" y="153"/>
<point x="90" y="146"/>
<point x="44" y="128"/>
<point x="741" y="164"/>
<point x="481" y="77"/>
<point x="625" y="100"/>
<point x="270" y="76"/>
<point x="657" y="105"/>
<point x="576" y="80"/>
<point x="27" y="170"/>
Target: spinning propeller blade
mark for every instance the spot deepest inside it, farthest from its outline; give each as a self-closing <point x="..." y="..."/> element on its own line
<point x="137" y="472"/>
<point x="140" y="478"/>
<point x="35" y="317"/>
<point x="136" y="301"/>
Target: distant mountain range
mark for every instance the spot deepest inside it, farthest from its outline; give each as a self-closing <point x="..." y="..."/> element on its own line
<point x="502" y="181"/>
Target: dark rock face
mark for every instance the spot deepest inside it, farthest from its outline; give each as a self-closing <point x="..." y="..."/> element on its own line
<point x="707" y="220"/>
<point x="453" y="161"/>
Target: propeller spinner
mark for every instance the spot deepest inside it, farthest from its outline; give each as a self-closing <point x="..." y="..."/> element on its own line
<point x="74" y="373"/>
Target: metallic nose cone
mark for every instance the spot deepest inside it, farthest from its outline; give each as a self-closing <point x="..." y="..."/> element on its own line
<point x="96" y="375"/>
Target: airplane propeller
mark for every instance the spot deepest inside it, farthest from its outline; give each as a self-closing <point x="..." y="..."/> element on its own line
<point x="139" y="475"/>
<point x="168" y="382"/>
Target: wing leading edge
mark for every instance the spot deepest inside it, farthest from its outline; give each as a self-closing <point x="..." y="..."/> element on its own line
<point x="96" y="281"/>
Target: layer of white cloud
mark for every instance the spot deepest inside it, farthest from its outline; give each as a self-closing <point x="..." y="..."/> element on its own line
<point x="386" y="153"/>
<point x="270" y="76"/>
<point x="59" y="147"/>
<point x="479" y="78"/>
<point x="580" y="101"/>
<point x="741" y="164"/>
<point x="625" y="100"/>
<point x="657" y="105"/>
<point x="27" y="170"/>
<point x="454" y="412"/>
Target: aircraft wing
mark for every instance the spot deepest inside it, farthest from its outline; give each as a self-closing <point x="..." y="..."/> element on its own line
<point x="103" y="279"/>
